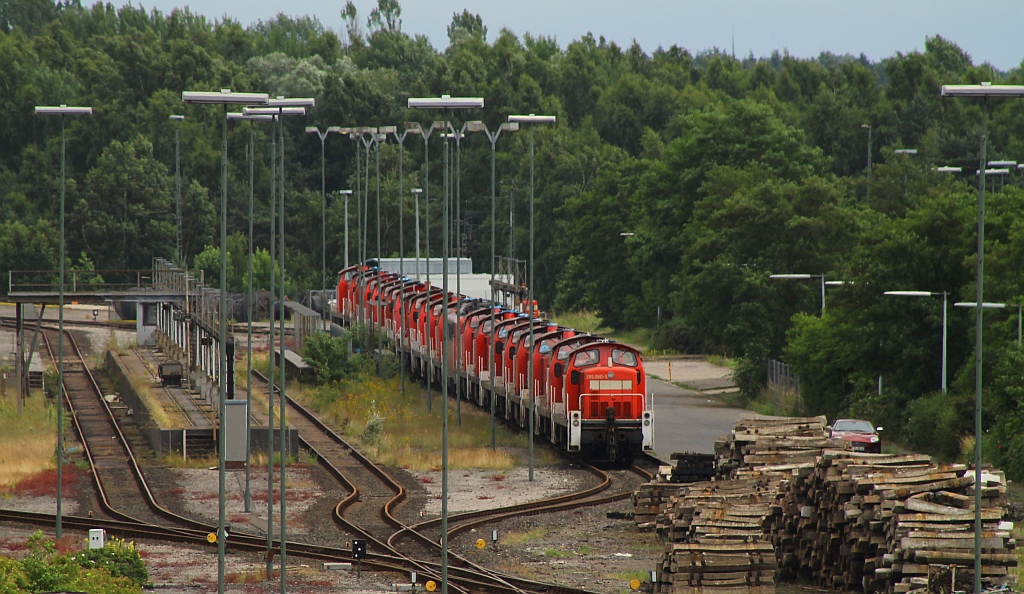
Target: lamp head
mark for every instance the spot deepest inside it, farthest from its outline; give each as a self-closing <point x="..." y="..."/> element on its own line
<point x="510" y="126"/>
<point x="985" y="89"/>
<point x="335" y="129"/>
<point x="532" y="119"/>
<point x="224" y="97"/>
<point x="446" y="102"/>
<point x="177" y="117"/>
<point x="292" y="102"/>
<point x="387" y="129"/>
<point x="311" y="129"/>
<point x="63" y="110"/>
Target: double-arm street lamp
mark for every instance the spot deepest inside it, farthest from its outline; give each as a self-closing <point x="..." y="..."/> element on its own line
<point x="278" y="111"/>
<point x="478" y="126"/>
<point x="444" y="103"/>
<point x="63" y="111"/>
<point x="983" y="91"/>
<point x="531" y="119"/>
<point x="944" y="296"/>
<point x="323" y="213"/>
<point x="225" y="98"/>
<point x="284" y="105"/>
<point x="248" y="349"/>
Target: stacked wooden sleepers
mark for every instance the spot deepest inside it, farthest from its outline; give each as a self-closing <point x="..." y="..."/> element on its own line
<point x="794" y="500"/>
<point x="715" y="529"/>
<point x="882" y="523"/>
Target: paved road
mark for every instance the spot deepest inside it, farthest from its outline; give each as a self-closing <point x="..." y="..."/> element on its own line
<point x="686" y="420"/>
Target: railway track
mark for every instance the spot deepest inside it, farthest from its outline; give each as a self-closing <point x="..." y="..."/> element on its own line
<point x="354" y="470"/>
<point x="117" y="476"/>
<point x="116" y="470"/>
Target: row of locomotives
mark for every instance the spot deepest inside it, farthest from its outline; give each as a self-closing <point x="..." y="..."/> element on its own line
<point x="588" y="394"/>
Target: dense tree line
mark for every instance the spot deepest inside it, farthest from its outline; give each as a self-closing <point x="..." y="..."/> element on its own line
<point x="719" y="171"/>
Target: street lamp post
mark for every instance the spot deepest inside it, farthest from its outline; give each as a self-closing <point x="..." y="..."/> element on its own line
<point x="283" y="106"/>
<point x="63" y="111"/>
<point x="531" y="119"/>
<point x="458" y="135"/>
<point x="323" y="214"/>
<point x="868" y="126"/>
<point x="478" y="126"/>
<point x="445" y="103"/>
<point x="416" y="194"/>
<point x="225" y="97"/>
<point x="248" y="350"/>
<point x="278" y="113"/>
<point x="1007" y="165"/>
<point x="807" y="277"/>
<point x="381" y="136"/>
<point x="346" y="194"/>
<point x="984" y="91"/>
<point x="401" y="245"/>
<point x="944" y="295"/>
<point x="177" y="183"/>
<point x="425" y="134"/>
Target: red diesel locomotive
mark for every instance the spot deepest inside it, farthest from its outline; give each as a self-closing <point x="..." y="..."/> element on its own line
<point x="588" y="393"/>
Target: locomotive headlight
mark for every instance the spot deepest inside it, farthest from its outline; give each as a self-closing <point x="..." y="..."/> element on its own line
<point x="647" y="422"/>
<point x="575" y="422"/>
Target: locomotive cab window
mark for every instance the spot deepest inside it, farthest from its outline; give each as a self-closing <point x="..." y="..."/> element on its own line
<point x="588" y="357"/>
<point x="621" y="357"/>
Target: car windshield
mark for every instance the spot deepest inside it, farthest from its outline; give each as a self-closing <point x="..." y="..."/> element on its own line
<point x="854" y="426"/>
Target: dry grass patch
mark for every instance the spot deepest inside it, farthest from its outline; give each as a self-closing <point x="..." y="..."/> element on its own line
<point x="399" y="430"/>
<point x="143" y="387"/>
<point x="28" y="442"/>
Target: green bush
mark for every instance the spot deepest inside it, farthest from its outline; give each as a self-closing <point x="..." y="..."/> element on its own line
<point x="119" y="558"/>
<point x="330" y="356"/>
<point x="97" y="571"/>
<point x="932" y="426"/>
<point x="11" y="575"/>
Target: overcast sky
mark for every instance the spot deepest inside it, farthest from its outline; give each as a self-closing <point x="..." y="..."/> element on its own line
<point x="989" y="30"/>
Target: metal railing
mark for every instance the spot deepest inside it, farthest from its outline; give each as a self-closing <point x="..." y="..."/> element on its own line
<point x="164" y="276"/>
<point x="780" y="378"/>
<point x="78" y="281"/>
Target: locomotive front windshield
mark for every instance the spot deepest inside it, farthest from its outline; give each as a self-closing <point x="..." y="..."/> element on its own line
<point x="622" y="357"/>
<point x="587" y="357"/>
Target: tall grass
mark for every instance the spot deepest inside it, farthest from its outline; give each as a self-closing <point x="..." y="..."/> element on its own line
<point x="28" y="442"/>
<point x="143" y="386"/>
<point x="409" y="435"/>
<point x="586" y="321"/>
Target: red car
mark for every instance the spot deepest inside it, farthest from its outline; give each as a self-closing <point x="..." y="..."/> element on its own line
<point x="862" y="435"/>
